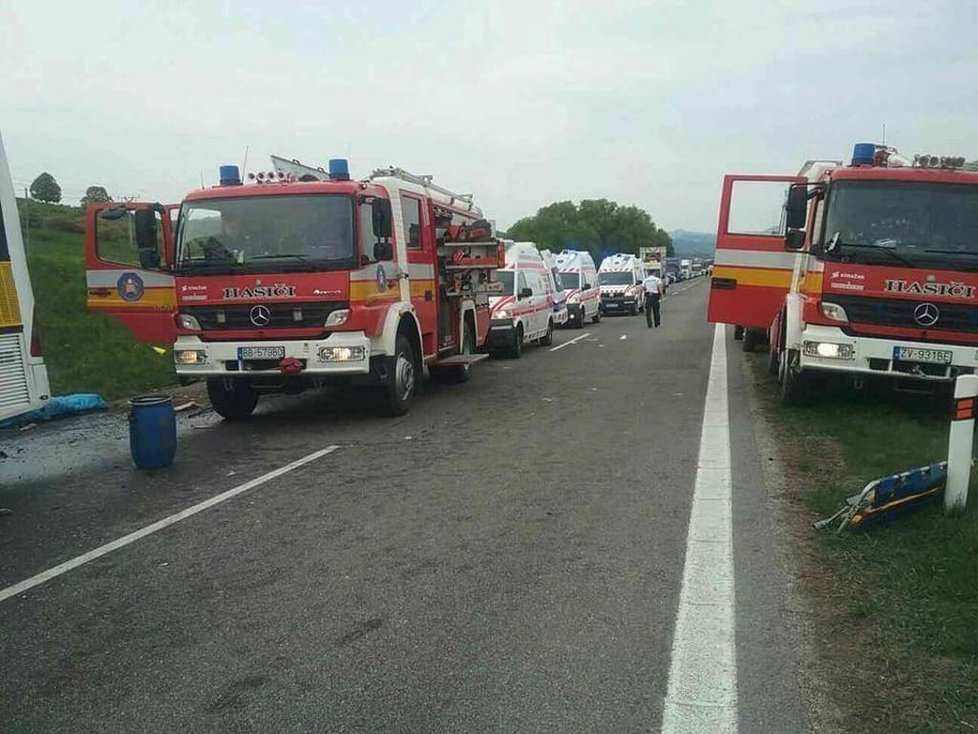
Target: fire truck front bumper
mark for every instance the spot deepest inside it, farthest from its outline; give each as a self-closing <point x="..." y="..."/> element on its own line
<point x="339" y="353"/>
<point x="830" y="348"/>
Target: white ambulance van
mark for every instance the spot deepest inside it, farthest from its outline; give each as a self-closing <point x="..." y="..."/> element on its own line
<point x="523" y="311"/>
<point x="579" y="277"/>
<point x="620" y="277"/>
<point x="560" y="290"/>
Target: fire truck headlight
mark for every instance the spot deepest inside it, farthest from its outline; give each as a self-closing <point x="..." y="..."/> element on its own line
<point x="834" y="311"/>
<point x="342" y="354"/>
<point x="829" y="350"/>
<point x="338" y="317"/>
<point x="187" y="322"/>
<point x="189" y="356"/>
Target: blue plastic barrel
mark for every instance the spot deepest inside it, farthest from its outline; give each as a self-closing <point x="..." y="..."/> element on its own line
<point x="152" y="431"/>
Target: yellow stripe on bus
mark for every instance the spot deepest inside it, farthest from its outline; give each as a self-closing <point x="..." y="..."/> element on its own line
<point x="156" y="299"/>
<point x="9" y="306"/>
<point x="766" y="277"/>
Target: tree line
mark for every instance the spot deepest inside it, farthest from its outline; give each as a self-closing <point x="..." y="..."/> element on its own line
<point x="47" y="189"/>
<point x="599" y="226"/>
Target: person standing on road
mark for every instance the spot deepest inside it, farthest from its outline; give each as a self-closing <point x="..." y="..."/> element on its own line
<point x="653" y="292"/>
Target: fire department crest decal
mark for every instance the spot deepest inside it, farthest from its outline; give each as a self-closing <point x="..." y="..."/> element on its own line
<point x="381" y="279"/>
<point x="130" y="287"/>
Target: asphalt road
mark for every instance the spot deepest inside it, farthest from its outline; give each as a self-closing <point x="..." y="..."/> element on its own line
<point x="507" y="557"/>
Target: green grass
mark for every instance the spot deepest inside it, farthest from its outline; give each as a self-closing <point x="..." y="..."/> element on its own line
<point x="84" y="352"/>
<point x="907" y="592"/>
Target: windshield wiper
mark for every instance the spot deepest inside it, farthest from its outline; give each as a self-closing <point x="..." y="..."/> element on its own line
<point x="836" y="243"/>
<point x="301" y="258"/>
<point x="953" y="252"/>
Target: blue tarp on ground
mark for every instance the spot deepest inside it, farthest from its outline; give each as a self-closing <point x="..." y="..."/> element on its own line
<point x="58" y="407"/>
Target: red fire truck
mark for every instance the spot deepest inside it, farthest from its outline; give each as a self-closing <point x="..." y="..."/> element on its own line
<point x="871" y="272"/>
<point x="301" y="277"/>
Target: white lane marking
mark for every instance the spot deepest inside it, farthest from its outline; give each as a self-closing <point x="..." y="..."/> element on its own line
<point x="702" y="693"/>
<point x="568" y="343"/>
<point x="102" y="550"/>
<point x="623" y="337"/>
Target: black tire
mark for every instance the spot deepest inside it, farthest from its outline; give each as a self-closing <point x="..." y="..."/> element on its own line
<point x="516" y="347"/>
<point x="738" y="333"/>
<point x="596" y="319"/>
<point x="402" y="379"/>
<point x="235" y="404"/>
<point x="457" y="375"/>
<point x="547" y="339"/>
<point x="772" y="360"/>
<point x="795" y="384"/>
<point x="750" y="340"/>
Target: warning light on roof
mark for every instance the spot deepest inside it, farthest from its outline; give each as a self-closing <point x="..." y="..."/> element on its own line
<point x="230" y="176"/>
<point x="863" y="154"/>
<point x="339" y="169"/>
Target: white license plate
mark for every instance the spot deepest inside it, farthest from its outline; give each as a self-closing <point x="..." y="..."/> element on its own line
<point x="261" y="352"/>
<point x="918" y="354"/>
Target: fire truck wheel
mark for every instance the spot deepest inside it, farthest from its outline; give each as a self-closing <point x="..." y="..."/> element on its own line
<point x="547" y="339"/>
<point x="402" y="379"/>
<point x="457" y="375"/>
<point x="750" y="339"/>
<point x="794" y="383"/>
<point x="738" y="333"/>
<point x="772" y="360"/>
<point x="235" y="404"/>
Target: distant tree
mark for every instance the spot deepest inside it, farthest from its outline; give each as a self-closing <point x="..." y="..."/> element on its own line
<point x="45" y="188"/>
<point x="597" y="225"/>
<point x="95" y="194"/>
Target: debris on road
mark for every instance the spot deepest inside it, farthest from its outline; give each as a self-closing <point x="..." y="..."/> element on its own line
<point x="185" y="406"/>
<point x="4" y="511"/>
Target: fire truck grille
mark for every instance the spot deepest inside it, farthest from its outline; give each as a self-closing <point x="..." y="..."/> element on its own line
<point x="892" y="312"/>
<point x="279" y="316"/>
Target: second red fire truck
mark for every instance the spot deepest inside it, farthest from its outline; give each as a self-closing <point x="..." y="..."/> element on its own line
<point x="301" y="277"/>
<point x="871" y="273"/>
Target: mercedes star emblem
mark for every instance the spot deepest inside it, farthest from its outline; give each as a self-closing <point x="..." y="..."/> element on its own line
<point x="260" y="316"/>
<point x="926" y="314"/>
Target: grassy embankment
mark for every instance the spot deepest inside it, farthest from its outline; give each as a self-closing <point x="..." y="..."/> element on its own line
<point x="897" y="605"/>
<point x="84" y="352"/>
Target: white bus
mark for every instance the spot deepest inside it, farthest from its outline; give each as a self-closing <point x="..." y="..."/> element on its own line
<point x="23" y="377"/>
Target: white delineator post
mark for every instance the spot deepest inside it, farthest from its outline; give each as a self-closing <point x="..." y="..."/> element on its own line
<point x="959" y="450"/>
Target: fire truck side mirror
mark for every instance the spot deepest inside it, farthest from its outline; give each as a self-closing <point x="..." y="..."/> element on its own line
<point x="382" y="219"/>
<point x="795" y="239"/>
<point x="796" y="208"/>
<point x="383" y="251"/>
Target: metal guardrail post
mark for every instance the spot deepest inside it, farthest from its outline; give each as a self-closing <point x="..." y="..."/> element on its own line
<point x="960" y="444"/>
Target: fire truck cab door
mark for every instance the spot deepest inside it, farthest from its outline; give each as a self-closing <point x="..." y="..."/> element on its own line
<point x="752" y="270"/>
<point x="129" y="258"/>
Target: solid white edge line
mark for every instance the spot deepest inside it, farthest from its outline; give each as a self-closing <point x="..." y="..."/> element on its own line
<point x="568" y="343"/>
<point x="702" y="691"/>
<point x="91" y="555"/>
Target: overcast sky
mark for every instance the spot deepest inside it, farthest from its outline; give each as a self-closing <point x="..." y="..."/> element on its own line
<point x="522" y="103"/>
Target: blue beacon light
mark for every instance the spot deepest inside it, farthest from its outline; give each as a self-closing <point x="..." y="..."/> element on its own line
<point x="339" y="169"/>
<point x="230" y="176"/>
<point x="863" y="154"/>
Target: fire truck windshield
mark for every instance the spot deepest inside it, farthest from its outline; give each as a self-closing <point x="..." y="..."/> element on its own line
<point x="623" y="277"/>
<point x="916" y="224"/>
<point x="267" y="234"/>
